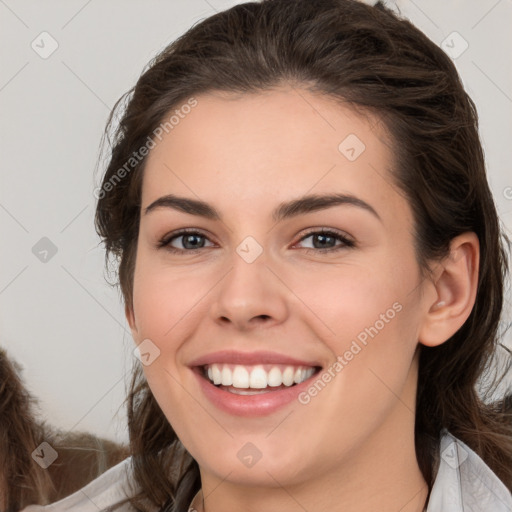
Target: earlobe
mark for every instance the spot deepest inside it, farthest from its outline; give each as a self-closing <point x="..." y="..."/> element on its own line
<point x="455" y="284"/>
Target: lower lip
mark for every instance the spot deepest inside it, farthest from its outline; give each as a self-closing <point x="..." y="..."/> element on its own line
<point x="251" y="405"/>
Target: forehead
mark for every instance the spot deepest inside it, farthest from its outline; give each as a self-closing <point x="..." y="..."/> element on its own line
<point x="270" y="145"/>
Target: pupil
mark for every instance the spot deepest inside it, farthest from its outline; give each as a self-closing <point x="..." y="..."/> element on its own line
<point x="189" y="240"/>
<point x="322" y="239"/>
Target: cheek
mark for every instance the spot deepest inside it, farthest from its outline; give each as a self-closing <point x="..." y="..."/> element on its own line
<point x="165" y="300"/>
<point x="370" y="319"/>
<point x="350" y="301"/>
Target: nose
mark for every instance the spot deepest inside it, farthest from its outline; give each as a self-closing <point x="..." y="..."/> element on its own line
<point x="250" y="296"/>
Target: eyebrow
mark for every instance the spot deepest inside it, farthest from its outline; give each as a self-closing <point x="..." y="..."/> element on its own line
<point x="285" y="210"/>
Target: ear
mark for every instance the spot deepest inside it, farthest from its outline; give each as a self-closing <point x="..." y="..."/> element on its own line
<point x="454" y="285"/>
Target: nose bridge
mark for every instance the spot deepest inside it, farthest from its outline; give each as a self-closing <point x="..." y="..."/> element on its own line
<point x="249" y="292"/>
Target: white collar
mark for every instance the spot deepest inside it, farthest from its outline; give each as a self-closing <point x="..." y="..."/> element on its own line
<point x="464" y="482"/>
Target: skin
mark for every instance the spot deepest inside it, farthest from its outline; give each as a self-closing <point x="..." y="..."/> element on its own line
<point x="351" y="448"/>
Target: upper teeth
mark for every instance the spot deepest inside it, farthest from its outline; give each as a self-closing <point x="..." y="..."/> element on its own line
<point x="257" y="377"/>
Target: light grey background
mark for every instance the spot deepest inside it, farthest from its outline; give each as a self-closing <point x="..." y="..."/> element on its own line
<point x="59" y="318"/>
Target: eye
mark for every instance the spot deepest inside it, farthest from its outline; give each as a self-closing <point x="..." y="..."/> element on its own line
<point x="189" y="240"/>
<point x="324" y="240"/>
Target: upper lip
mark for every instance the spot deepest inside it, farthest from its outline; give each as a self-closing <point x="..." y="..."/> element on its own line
<point x="250" y="358"/>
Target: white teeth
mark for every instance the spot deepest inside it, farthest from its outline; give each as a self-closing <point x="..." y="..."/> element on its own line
<point x="217" y="376"/>
<point x="288" y="375"/>
<point x="227" y="377"/>
<point x="240" y="377"/>
<point x="257" y="377"/>
<point x="248" y="391"/>
<point x="275" y="377"/>
<point x="307" y="373"/>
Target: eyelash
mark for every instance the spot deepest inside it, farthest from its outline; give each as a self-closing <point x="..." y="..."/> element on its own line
<point x="346" y="242"/>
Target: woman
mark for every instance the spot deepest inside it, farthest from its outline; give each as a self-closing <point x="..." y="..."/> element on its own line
<point x="312" y="269"/>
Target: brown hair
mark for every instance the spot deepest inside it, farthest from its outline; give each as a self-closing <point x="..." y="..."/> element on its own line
<point x="21" y="480"/>
<point x="368" y="57"/>
<point x="81" y="456"/>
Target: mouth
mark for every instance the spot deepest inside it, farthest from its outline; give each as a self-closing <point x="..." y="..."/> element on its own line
<point x="256" y="379"/>
<point x="252" y="384"/>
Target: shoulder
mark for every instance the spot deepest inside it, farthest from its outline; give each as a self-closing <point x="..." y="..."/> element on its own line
<point x="465" y="482"/>
<point x="112" y="486"/>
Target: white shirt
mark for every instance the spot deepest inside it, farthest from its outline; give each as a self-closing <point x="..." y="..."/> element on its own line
<point x="463" y="483"/>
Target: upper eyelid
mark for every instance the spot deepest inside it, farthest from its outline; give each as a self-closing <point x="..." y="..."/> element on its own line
<point x="338" y="232"/>
<point x="347" y="239"/>
<point x="166" y="239"/>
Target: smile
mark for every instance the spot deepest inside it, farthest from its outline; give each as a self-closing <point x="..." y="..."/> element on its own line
<point x="252" y="384"/>
<point x="252" y="379"/>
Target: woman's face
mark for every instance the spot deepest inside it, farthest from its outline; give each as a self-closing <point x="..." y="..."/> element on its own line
<point x="260" y="297"/>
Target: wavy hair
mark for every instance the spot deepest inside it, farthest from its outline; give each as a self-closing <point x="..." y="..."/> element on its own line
<point x="376" y="61"/>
